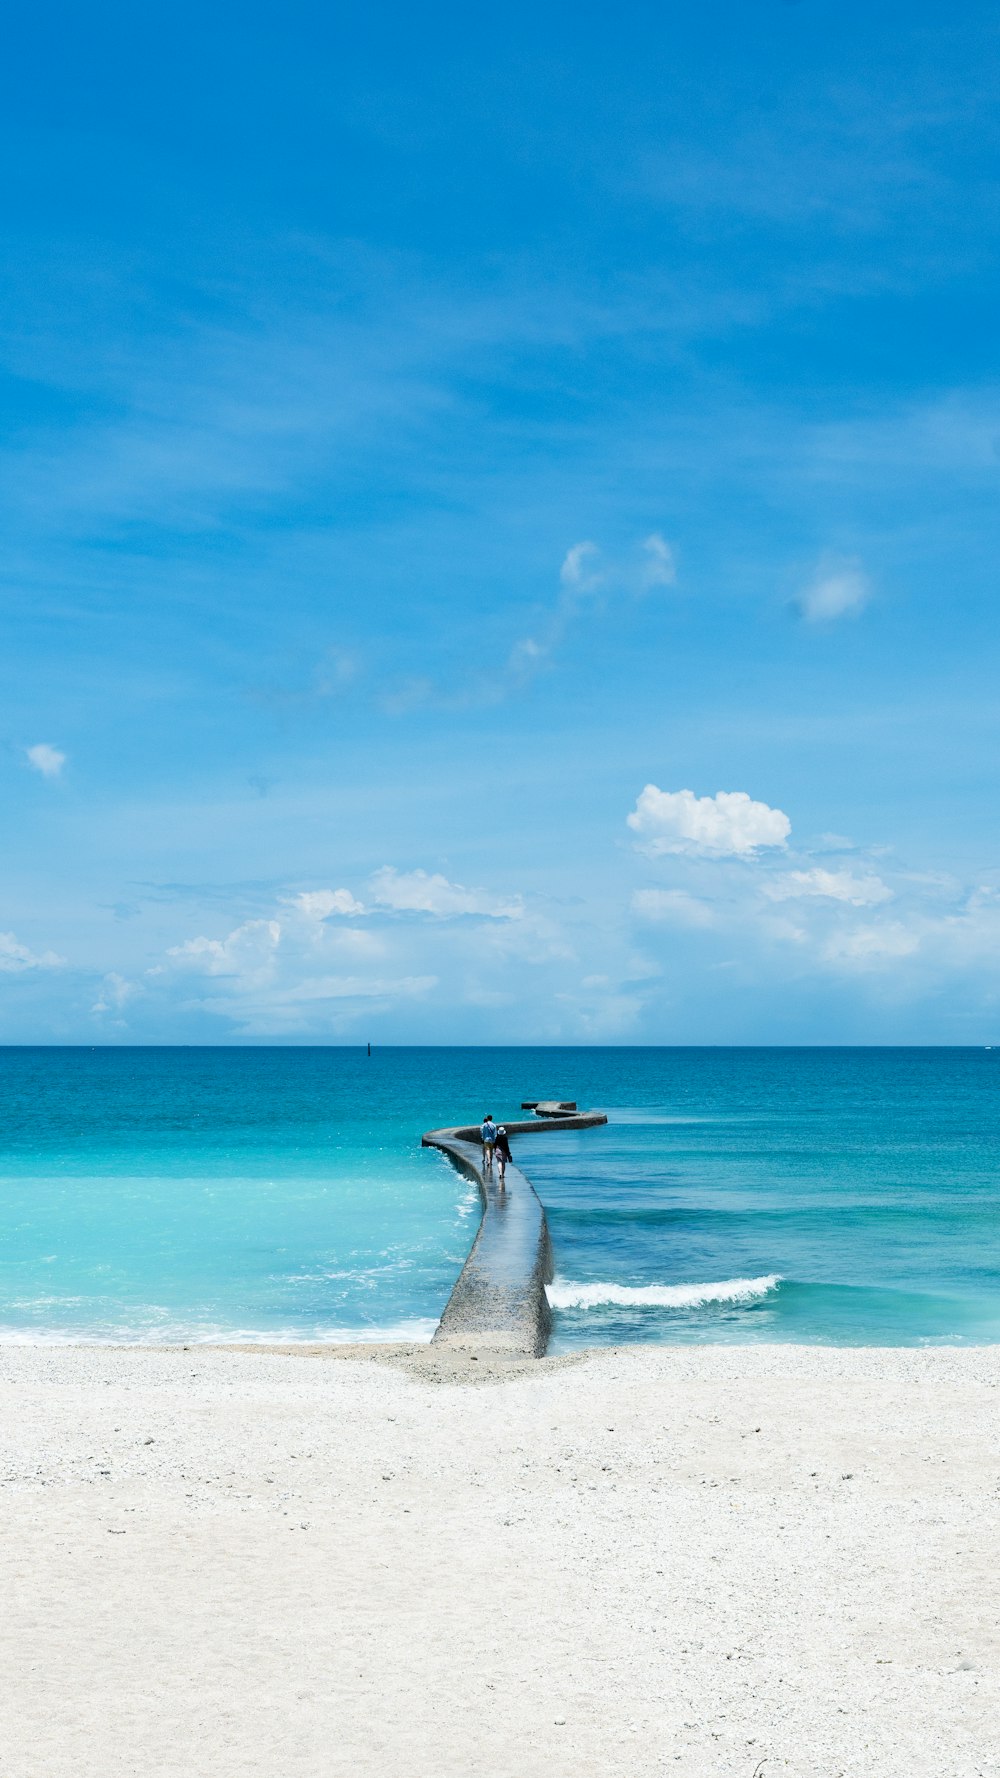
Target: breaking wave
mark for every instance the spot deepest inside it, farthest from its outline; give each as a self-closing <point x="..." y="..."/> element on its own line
<point x="563" y="1293"/>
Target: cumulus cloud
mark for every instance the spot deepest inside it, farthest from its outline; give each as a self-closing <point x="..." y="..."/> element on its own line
<point x="317" y="966"/>
<point x="15" y="958"/>
<point x="671" y="907"/>
<point x="837" y="592"/>
<point x="323" y="904"/>
<point x="263" y="975"/>
<point x="249" y="949"/>
<point x="418" y="892"/>
<point x="46" y="759"/>
<point x="835" y="885"/>
<point x="728" y="825"/>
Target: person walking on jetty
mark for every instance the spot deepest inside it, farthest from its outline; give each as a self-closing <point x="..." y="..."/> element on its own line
<point x="503" y="1155"/>
<point x="489" y="1136"/>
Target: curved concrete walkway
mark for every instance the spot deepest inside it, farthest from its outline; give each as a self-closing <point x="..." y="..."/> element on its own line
<point x="499" y="1300"/>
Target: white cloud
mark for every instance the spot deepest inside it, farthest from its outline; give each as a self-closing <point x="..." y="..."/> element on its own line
<point x="671" y="907"/>
<point x="247" y="952"/>
<point x="15" y="958"/>
<point x="577" y="574"/>
<point x="418" y="892"/>
<point x="872" y="944"/>
<point x="727" y="825"/>
<point x="322" y="904"/>
<point x="578" y="579"/>
<point x="838" y="592"/>
<point x="835" y="885"/>
<point x="316" y="967"/>
<point x="659" y="568"/>
<point x="46" y="759"/>
<point x="588" y="574"/>
<point x="115" y="993"/>
<point x="263" y="975"/>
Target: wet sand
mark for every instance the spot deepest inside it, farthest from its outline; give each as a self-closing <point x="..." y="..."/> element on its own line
<point x="428" y="1562"/>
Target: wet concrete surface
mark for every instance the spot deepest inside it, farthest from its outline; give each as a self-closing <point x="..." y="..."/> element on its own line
<point x="499" y="1300"/>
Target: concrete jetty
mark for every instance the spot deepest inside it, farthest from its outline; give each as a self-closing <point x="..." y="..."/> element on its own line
<point x="499" y="1300"/>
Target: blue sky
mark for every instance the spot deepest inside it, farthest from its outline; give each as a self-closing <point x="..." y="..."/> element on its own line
<point x="499" y="524"/>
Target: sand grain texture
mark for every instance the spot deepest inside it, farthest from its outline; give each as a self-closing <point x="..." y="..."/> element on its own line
<point x="653" y="1560"/>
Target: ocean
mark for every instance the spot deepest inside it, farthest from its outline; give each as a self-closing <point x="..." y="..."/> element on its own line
<point x="845" y="1196"/>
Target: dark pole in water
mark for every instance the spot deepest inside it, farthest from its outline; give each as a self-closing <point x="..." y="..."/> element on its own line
<point x="369" y="1049"/>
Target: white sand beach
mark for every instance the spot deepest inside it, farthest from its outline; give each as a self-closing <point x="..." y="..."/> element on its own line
<point x="647" y="1560"/>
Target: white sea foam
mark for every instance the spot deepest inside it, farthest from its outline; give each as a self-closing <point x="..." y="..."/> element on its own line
<point x="413" y="1332"/>
<point x="563" y="1293"/>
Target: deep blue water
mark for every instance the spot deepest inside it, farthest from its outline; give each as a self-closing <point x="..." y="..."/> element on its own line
<point x="833" y="1195"/>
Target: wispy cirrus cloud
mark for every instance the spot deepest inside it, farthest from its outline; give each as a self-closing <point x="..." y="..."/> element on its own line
<point x="326" y="904"/>
<point x="833" y="885"/>
<point x="326" y="680"/>
<point x="420" y="892"/>
<point x="587" y="577"/>
<point x="580" y="573"/>
<point x="672" y="907"/>
<point x="407" y="892"/>
<point x="868" y="945"/>
<point x="318" y="989"/>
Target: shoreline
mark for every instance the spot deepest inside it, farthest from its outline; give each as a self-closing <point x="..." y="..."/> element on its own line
<point x="460" y="1364"/>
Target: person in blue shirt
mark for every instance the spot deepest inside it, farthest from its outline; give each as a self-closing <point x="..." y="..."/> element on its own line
<point x="489" y="1136"/>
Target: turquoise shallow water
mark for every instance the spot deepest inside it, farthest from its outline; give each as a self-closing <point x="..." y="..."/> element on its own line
<point x="819" y="1195"/>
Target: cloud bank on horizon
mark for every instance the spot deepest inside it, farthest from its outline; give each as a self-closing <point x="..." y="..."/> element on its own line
<point x="332" y="962"/>
<point x="494" y="554"/>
